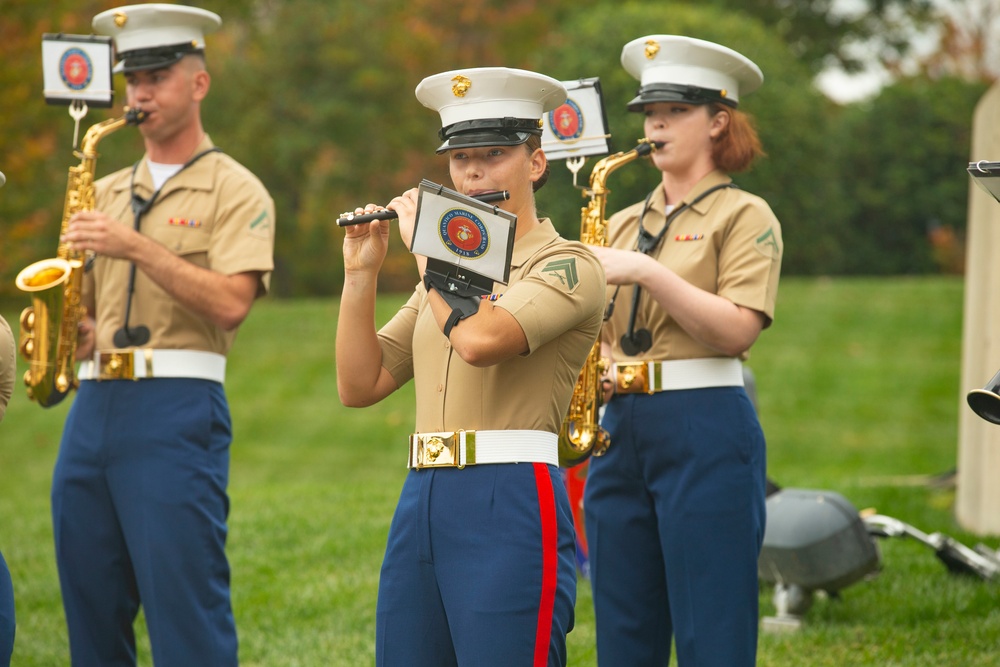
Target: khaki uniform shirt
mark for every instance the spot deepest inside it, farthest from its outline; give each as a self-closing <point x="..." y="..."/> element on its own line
<point x="729" y="244"/>
<point x="556" y="293"/>
<point x="214" y="213"/>
<point x="8" y="365"/>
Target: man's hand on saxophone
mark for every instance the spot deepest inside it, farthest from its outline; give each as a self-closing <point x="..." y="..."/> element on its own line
<point x="98" y="233"/>
<point x="223" y="299"/>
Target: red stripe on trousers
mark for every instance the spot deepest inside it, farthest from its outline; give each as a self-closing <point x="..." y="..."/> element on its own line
<point x="546" y="604"/>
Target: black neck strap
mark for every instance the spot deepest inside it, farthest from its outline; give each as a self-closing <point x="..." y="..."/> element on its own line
<point x="646" y="243"/>
<point x="125" y="336"/>
<point x="141" y="206"/>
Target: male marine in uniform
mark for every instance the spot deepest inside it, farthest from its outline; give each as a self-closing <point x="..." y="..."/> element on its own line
<point x="183" y="246"/>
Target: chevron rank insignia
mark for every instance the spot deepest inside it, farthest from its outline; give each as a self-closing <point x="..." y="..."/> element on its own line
<point x="261" y="226"/>
<point x="767" y="244"/>
<point x="562" y="273"/>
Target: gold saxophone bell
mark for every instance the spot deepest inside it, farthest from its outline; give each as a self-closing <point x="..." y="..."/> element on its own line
<point x="50" y="375"/>
<point x="985" y="402"/>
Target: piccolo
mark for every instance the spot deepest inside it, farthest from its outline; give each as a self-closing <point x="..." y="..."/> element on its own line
<point x="347" y="219"/>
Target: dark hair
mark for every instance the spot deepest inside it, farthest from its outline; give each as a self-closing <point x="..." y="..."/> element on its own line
<point x="533" y="143"/>
<point x="738" y="146"/>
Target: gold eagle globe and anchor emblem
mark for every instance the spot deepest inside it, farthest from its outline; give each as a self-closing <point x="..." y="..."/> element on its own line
<point x="627" y="377"/>
<point x="433" y="448"/>
<point x="462" y="85"/>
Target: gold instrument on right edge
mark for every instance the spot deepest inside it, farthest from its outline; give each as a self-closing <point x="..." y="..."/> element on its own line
<point x="49" y="326"/>
<point x="581" y="435"/>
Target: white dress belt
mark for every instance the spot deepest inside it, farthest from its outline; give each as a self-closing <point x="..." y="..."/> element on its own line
<point x="457" y="449"/>
<point x="647" y="377"/>
<point x="145" y="363"/>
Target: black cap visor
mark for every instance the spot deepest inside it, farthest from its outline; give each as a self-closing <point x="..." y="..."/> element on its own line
<point x="488" y="132"/>
<point x="155" y="58"/>
<point x="669" y="92"/>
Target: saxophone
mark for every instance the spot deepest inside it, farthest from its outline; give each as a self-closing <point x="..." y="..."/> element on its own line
<point x="49" y="326"/>
<point x="581" y="435"/>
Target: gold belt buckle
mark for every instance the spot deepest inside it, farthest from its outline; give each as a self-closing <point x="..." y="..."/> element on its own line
<point x="436" y="450"/>
<point x="633" y="378"/>
<point x="116" y="366"/>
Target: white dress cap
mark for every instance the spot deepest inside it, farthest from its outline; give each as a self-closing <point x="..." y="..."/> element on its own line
<point x="489" y="106"/>
<point x="673" y="68"/>
<point x="155" y="35"/>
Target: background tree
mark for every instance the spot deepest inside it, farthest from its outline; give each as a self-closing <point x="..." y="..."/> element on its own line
<point x="969" y="46"/>
<point x="317" y="99"/>
<point x="825" y="33"/>
<point x="36" y="139"/>
<point x="31" y="144"/>
<point x="322" y="98"/>
<point x="906" y="152"/>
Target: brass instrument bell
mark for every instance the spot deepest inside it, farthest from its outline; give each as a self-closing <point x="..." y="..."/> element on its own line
<point x="985" y="402"/>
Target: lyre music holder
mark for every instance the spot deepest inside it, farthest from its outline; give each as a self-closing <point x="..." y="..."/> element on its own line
<point x="468" y="243"/>
<point x="578" y="127"/>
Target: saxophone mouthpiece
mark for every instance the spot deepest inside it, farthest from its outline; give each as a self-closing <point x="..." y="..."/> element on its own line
<point x="134" y="116"/>
<point x="647" y="146"/>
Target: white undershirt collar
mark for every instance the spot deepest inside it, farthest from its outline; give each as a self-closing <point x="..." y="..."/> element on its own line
<point x="161" y="172"/>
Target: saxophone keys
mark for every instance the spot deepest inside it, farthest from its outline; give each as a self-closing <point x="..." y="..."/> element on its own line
<point x="26" y="344"/>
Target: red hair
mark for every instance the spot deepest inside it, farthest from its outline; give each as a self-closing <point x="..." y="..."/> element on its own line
<point x="738" y="145"/>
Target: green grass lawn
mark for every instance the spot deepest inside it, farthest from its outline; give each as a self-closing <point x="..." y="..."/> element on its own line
<point x="858" y="390"/>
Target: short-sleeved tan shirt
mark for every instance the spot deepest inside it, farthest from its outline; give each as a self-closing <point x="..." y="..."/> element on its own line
<point x="556" y="293"/>
<point x="729" y="244"/>
<point x="8" y="365"/>
<point x="216" y="214"/>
